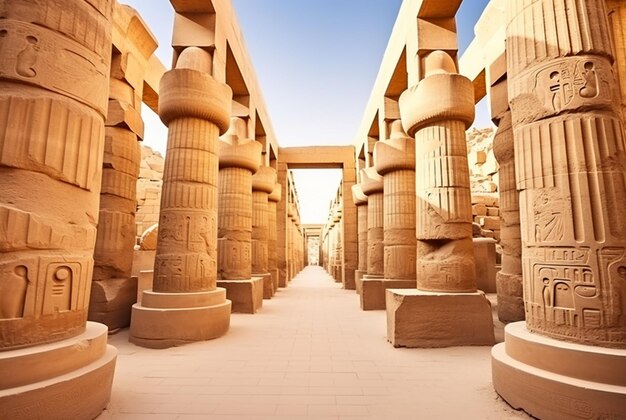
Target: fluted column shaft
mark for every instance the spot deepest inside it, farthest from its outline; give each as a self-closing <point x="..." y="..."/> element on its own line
<point x="54" y="78"/>
<point x="570" y="154"/>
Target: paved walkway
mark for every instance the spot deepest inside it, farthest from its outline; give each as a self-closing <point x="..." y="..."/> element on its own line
<point x="310" y="352"/>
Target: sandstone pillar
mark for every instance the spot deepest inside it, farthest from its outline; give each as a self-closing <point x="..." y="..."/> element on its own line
<point x="185" y="305"/>
<point x="272" y="242"/>
<point x="509" y="278"/>
<point x="240" y="158"/>
<point x="113" y="290"/>
<point x="395" y="162"/>
<point x="360" y="200"/>
<point x="372" y="186"/>
<point x="54" y="77"/>
<point x="282" y="226"/>
<point x="290" y="241"/>
<point x="263" y="183"/>
<point x="570" y="153"/>
<point x="437" y="112"/>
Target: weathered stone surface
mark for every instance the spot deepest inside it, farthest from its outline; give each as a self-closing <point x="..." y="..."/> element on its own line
<point x="263" y="183"/>
<point x="51" y="154"/>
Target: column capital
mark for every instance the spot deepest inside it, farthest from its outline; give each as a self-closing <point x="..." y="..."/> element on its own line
<point x="371" y="181"/>
<point x="395" y="154"/>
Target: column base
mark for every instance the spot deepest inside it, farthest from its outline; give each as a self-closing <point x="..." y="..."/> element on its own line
<point x="69" y="379"/>
<point x="420" y="319"/>
<point x="165" y="320"/>
<point x="358" y="280"/>
<point x="268" y="284"/>
<point x="246" y="296"/>
<point x="549" y="378"/>
<point x="111" y="302"/>
<point x="373" y="291"/>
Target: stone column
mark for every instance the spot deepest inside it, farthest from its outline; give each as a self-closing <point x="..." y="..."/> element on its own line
<point x="113" y="290"/>
<point x="437" y="112"/>
<point x="509" y="278"/>
<point x="54" y="78"/>
<point x="282" y="225"/>
<point x="360" y="200"/>
<point x="372" y="186"/>
<point x="290" y="241"/>
<point x="395" y="162"/>
<point x="272" y="242"/>
<point x="185" y="305"/>
<point x="570" y="152"/>
<point x="263" y="183"/>
<point x="240" y="158"/>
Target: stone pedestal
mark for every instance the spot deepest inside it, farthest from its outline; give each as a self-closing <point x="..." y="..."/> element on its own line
<point x="240" y="158"/>
<point x="68" y="379"/>
<point x="446" y="309"/>
<point x="552" y="379"/>
<point x="246" y="295"/>
<point x="432" y="319"/>
<point x="185" y="305"/>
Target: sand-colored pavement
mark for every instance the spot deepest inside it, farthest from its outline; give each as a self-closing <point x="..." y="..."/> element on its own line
<point x="310" y="352"/>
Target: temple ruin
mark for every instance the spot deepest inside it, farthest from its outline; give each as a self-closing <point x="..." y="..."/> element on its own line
<point x="511" y="241"/>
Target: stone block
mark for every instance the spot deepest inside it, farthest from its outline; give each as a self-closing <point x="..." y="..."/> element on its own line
<point x="111" y="302"/>
<point x="489" y="222"/>
<point x="422" y="319"/>
<point x="246" y="295"/>
<point x="479" y="210"/>
<point x="373" y="291"/>
<point x="485" y="263"/>
<point x="493" y="211"/>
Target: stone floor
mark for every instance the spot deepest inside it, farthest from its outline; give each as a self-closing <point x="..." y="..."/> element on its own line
<point x="310" y="352"/>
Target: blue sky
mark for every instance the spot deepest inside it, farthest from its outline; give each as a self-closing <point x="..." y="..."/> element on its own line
<point x="316" y="62"/>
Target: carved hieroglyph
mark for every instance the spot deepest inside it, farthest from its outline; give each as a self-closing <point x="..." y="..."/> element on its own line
<point x="395" y="162"/>
<point x="372" y="186"/>
<point x="360" y="200"/>
<point x="571" y="171"/>
<point x="240" y="158"/>
<point x="509" y="278"/>
<point x="445" y="255"/>
<point x="54" y="78"/>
